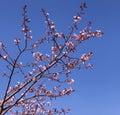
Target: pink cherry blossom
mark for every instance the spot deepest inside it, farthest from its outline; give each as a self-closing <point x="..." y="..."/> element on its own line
<point x="37" y="56"/>
<point x="70" y="81"/>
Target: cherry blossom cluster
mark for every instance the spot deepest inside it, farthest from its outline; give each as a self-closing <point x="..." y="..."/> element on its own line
<point x="17" y="41"/>
<point x="86" y="57"/>
<point x="3" y="52"/>
<point x="26" y="29"/>
<point x="38" y="42"/>
<point x="77" y="19"/>
<point x="33" y="93"/>
<point x="84" y="35"/>
<point x="49" y="22"/>
<point x="78" y="16"/>
<point x="40" y="106"/>
<point x="37" y="56"/>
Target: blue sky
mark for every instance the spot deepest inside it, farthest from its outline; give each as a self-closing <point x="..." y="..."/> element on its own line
<point x="97" y="89"/>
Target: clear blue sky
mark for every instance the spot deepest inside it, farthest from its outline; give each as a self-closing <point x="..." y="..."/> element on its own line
<point x="97" y="89"/>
